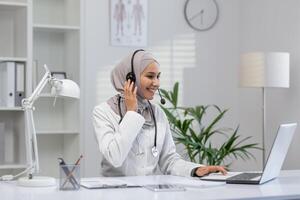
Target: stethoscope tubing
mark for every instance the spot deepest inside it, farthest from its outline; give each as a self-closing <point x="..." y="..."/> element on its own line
<point x="152" y="115"/>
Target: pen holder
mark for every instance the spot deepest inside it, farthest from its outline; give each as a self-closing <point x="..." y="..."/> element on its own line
<point x="69" y="177"/>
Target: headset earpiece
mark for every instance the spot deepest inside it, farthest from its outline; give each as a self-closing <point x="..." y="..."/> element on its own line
<point x="130" y="76"/>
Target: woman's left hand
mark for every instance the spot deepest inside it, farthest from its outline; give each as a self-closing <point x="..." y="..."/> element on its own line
<point x="201" y="171"/>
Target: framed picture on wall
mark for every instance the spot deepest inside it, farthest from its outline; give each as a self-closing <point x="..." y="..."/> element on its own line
<point x="129" y="22"/>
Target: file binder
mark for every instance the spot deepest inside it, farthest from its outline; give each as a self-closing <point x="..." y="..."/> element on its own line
<point x="7" y="84"/>
<point x="20" y="83"/>
<point x="2" y="143"/>
<point x="10" y="141"/>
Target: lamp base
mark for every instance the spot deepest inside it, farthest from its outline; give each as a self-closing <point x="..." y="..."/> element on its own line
<point x="37" y="181"/>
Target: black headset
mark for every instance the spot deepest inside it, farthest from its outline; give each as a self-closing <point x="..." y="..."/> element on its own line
<point x="131" y="76"/>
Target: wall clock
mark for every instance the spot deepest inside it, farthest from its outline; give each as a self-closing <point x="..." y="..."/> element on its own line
<point x="201" y="15"/>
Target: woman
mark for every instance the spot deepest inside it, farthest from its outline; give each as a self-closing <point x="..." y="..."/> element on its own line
<point x="133" y="134"/>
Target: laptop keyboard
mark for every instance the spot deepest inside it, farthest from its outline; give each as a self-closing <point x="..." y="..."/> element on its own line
<point x="245" y="176"/>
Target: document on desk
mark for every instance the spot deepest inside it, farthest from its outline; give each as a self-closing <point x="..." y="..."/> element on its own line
<point x="141" y="181"/>
<point x="105" y="183"/>
<point x="196" y="183"/>
<point x="187" y="182"/>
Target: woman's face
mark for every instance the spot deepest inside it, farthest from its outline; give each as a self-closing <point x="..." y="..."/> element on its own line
<point x="150" y="81"/>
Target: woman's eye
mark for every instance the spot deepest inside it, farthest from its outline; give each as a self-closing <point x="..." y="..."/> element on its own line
<point x="151" y="77"/>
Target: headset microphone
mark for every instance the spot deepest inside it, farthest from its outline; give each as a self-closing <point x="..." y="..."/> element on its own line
<point x="162" y="100"/>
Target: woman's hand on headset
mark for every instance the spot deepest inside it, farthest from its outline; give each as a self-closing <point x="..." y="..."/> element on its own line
<point x="130" y="95"/>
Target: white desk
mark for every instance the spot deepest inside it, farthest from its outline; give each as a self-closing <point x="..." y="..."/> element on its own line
<point x="287" y="186"/>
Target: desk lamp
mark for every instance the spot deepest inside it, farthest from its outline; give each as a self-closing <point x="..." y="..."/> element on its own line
<point x="265" y="70"/>
<point x="60" y="88"/>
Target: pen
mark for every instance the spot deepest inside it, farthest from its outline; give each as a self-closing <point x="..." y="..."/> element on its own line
<point x="70" y="174"/>
<point x="77" y="162"/>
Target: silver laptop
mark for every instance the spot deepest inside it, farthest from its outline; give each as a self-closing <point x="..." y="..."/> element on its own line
<point x="274" y="163"/>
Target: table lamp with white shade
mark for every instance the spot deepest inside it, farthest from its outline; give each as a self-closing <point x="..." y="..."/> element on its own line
<point x="264" y="70"/>
<point x="59" y="88"/>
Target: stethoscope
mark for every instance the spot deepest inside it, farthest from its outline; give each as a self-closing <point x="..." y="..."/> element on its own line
<point x="154" y="149"/>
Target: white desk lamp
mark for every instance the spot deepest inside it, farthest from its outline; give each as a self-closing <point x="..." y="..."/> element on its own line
<point x="63" y="88"/>
<point x="265" y="70"/>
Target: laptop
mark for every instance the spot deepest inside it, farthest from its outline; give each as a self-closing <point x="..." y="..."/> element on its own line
<point x="274" y="163"/>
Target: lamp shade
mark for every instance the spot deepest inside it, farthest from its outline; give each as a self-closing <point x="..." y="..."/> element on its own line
<point x="65" y="88"/>
<point x="259" y="69"/>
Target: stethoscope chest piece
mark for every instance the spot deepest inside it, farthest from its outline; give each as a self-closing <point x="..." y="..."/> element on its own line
<point x="154" y="151"/>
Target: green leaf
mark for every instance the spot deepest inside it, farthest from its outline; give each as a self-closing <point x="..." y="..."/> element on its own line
<point x="175" y="94"/>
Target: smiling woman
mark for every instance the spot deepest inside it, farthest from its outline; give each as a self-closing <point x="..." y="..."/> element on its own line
<point x="150" y="80"/>
<point x="133" y="134"/>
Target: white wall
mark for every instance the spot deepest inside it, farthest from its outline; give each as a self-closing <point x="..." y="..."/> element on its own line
<point x="209" y="71"/>
<point x="273" y="25"/>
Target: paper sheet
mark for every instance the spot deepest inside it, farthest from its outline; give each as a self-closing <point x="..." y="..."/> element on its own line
<point x="137" y="181"/>
<point x="105" y="183"/>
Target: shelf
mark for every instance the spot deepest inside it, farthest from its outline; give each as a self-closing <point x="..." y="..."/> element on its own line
<point x="59" y="12"/>
<point x="55" y="28"/>
<point x="8" y="5"/>
<point x="13" y="32"/>
<point x="13" y="166"/>
<point x="43" y="31"/>
<point x="14" y="59"/>
<point x="58" y="132"/>
<point x="11" y="109"/>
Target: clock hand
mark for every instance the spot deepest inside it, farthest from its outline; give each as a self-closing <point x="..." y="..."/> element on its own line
<point x="202" y="11"/>
<point x="196" y="15"/>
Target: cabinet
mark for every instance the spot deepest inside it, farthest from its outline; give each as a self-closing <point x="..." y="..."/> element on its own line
<point x="39" y="32"/>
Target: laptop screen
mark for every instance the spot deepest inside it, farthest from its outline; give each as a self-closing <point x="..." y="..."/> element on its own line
<point x="278" y="152"/>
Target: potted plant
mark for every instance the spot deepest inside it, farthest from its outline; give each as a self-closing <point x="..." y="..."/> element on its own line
<point x="188" y="129"/>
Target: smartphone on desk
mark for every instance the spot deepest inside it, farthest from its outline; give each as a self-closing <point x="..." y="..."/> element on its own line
<point x="165" y="188"/>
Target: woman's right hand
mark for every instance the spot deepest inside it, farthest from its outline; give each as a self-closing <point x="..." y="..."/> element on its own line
<point x="130" y="96"/>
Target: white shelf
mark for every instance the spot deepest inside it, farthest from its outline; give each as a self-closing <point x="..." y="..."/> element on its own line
<point x="14" y="59"/>
<point x="48" y="95"/>
<point x="13" y="166"/>
<point x="43" y="31"/>
<point x="60" y="12"/>
<point x="58" y="132"/>
<point x="11" y="5"/>
<point x="13" y="30"/>
<point x="11" y="109"/>
<point x="55" y="28"/>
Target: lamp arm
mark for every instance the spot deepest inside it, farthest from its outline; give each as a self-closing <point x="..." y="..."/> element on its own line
<point x="31" y="140"/>
<point x="28" y="102"/>
<point x="31" y="144"/>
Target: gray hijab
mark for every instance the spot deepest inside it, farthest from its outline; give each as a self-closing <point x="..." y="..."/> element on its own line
<point x="118" y="76"/>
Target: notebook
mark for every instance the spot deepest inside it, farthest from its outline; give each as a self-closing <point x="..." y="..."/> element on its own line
<point x="274" y="162"/>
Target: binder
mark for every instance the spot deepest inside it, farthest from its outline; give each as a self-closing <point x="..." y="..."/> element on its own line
<point x="10" y="144"/>
<point x="19" y="83"/>
<point x="7" y="84"/>
<point x="2" y="143"/>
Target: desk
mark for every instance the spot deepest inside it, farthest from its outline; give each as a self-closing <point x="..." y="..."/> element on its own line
<point x="287" y="186"/>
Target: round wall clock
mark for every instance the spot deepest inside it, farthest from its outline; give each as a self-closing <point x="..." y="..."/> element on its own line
<point x="201" y="15"/>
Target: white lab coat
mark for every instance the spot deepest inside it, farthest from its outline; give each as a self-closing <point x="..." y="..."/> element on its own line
<point x="126" y="147"/>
